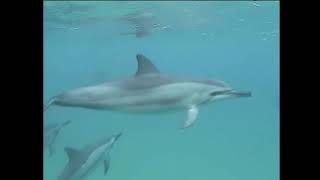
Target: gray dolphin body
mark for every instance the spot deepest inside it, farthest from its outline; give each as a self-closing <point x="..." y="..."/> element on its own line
<point x="149" y="91"/>
<point x="83" y="162"/>
<point x="51" y="132"/>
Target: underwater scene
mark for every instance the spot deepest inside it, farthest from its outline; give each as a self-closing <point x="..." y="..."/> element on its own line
<point x="161" y="90"/>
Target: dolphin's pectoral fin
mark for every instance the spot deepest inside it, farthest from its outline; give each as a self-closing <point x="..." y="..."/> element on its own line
<point x="52" y="149"/>
<point x="192" y="116"/>
<point x="106" y="165"/>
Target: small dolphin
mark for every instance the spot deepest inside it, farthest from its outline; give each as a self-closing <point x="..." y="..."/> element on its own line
<point x="83" y="162"/>
<point x="139" y="17"/>
<point x="144" y="23"/>
<point x="51" y="132"/>
<point x="149" y="91"/>
<point x="139" y="32"/>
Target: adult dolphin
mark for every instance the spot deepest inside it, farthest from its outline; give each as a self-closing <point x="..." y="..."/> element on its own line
<point x="149" y="91"/>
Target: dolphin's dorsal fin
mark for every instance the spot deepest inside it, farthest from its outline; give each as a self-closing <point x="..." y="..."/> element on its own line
<point x="145" y="66"/>
<point x="72" y="152"/>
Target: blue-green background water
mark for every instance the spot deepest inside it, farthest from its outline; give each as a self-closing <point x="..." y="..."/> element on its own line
<point x="237" y="42"/>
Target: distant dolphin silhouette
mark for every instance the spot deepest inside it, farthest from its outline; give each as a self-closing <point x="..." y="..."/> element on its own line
<point x="142" y="21"/>
<point x="149" y="91"/>
<point x="51" y="132"/>
<point x="83" y="162"/>
<point x="139" y="32"/>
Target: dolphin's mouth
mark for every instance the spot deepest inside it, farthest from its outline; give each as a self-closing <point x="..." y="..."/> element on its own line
<point x="232" y="93"/>
<point x="240" y="93"/>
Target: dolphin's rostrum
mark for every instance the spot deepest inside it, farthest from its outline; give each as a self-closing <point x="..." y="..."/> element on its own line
<point x="149" y="90"/>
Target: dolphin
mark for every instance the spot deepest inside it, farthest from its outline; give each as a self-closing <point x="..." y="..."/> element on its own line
<point x="149" y="90"/>
<point x="83" y="162"/>
<point x="143" y="22"/>
<point x="51" y="132"/>
<point x="142" y="26"/>
<point x="139" y="32"/>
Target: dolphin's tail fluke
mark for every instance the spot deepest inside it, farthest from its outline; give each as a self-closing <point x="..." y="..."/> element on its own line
<point x="51" y="101"/>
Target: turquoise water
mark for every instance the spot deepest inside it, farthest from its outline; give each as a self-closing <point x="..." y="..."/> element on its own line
<point x="237" y="42"/>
